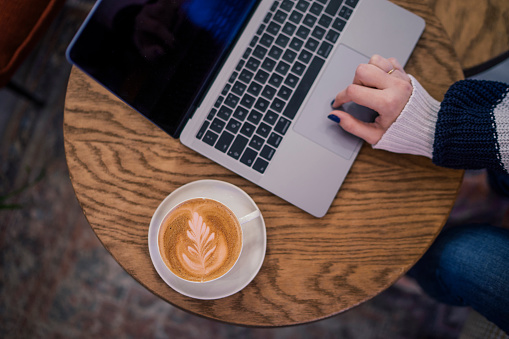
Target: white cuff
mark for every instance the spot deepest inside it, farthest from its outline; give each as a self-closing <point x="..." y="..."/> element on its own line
<point x="413" y="132"/>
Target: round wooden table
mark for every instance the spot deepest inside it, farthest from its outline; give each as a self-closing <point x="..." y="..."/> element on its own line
<point x="388" y="212"/>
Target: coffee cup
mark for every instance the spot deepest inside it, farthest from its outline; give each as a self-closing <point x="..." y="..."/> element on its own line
<point x="201" y="239"/>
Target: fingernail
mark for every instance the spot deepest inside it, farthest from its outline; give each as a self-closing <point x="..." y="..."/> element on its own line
<point x="332" y="103"/>
<point x="334" y="118"/>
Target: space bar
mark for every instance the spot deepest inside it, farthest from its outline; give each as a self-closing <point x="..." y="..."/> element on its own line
<point x="300" y="93"/>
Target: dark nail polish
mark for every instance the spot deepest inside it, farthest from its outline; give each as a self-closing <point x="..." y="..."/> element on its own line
<point x="334" y="118"/>
<point x="332" y="103"/>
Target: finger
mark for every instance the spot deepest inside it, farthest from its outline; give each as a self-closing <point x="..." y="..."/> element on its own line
<point x="372" y="76"/>
<point x="369" y="132"/>
<point x="379" y="61"/>
<point x="365" y="96"/>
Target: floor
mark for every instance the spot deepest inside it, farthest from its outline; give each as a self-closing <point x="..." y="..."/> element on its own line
<point x="57" y="280"/>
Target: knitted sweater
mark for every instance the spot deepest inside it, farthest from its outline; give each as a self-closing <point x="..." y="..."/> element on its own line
<point x="468" y="130"/>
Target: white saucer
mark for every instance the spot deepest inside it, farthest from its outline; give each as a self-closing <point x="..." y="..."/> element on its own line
<point x="254" y="235"/>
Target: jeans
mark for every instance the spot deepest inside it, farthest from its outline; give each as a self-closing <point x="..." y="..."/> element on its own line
<point x="469" y="266"/>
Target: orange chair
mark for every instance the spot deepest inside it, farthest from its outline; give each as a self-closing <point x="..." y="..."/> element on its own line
<point x="22" y="24"/>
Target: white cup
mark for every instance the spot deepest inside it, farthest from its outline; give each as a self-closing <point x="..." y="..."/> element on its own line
<point x="242" y="221"/>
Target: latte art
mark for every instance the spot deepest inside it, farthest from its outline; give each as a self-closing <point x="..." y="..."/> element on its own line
<point x="200" y="240"/>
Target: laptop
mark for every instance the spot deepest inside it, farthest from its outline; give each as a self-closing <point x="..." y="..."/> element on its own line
<point x="247" y="83"/>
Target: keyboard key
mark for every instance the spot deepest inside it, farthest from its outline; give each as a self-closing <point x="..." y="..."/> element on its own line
<point x="284" y="93"/>
<point x="339" y="24"/>
<point x="296" y="17"/>
<point x="267" y="152"/>
<point x="262" y="76"/>
<point x="316" y="8"/>
<point x="282" y="126"/>
<point x="238" y="88"/>
<point x="298" y="68"/>
<point x="280" y="16"/>
<point x="217" y="125"/>
<point x="275" y="52"/>
<point x="241" y="113"/>
<point x="268" y="64"/>
<point x="260" y="52"/>
<point x="262" y="104"/>
<point x="296" y="44"/>
<point x="352" y="3"/>
<point x="226" y="89"/>
<point x="238" y="147"/>
<point x="219" y="101"/>
<point x="345" y="12"/>
<point x="302" y="5"/>
<point x="274" y="6"/>
<point x="276" y="80"/>
<point x="260" y="165"/>
<point x="224" y="113"/>
<point x="255" y="88"/>
<point x="267" y="18"/>
<point x="282" y="67"/>
<point x="212" y="114"/>
<point x="255" y="117"/>
<point x="202" y="130"/>
<point x="210" y="138"/>
<point x="277" y="105"/>
<point x="274" y="140"/>
<point x="291" y="80"/>
<point x="253" y="64"/>
<point x="332" y="36"/>
<point x="263" y="130"/>
<point x="232" y="100"/>
<point x="318" y="33"/>
<point x="224" y="141"/>
<point x="269" y="92"/>
<point x="309" y="20"/>
<point x="266" y="40"/>
<point x="282" y="40"/>
<point x="333" y="7"/>
<point x="247" y="101"/>
<point x="312" y="44"/>
<point x="233" y="126"/>
<point x="248" y="157"/>
<point x="270" y="117"/>
<point x="259" y="32"/>
<point x="247" y="129"/>
<point x="248" y="51"/>
<point x="256" y="143"/>
<point x="289" y="28"/>
<point x="287" y="5"/>
<point x="246" y="76"/>
<point x="306" y="56"/>
<point x="289" y="56"/>
<point x="303" y="32"/>
<point x="324" y="50"/>
<point x="233" y="77"/>
<point x="273" y="28"/>
<point x="325" y="20"/>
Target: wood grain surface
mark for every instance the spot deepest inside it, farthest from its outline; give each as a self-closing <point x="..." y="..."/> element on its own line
<point x="479" y="30"/>
<point x="388" y="212"/>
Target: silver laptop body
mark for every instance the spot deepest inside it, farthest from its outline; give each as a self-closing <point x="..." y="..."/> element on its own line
<point x="310" y="156"/>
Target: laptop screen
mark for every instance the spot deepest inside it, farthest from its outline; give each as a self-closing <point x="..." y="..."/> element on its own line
<point x="158" y="55"/>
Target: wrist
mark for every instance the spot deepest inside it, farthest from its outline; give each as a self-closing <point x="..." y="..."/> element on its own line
<point x="413" y="132"/>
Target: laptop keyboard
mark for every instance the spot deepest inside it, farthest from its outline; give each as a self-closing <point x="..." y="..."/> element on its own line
<point x="257" y="105"/>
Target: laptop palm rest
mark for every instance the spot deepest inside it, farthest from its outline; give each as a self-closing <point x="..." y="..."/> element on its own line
<point x="313" y="123"/>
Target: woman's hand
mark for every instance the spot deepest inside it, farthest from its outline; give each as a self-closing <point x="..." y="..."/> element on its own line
<point x="381" y="85"/>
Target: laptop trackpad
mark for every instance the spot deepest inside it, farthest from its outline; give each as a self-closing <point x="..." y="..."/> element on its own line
<point x="313" y="122"/>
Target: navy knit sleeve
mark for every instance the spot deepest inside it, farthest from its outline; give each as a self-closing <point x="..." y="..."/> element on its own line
<point x="472" y="130"/>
